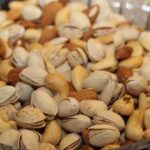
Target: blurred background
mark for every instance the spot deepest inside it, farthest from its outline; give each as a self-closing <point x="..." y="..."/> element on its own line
<point x="137" y="11"/>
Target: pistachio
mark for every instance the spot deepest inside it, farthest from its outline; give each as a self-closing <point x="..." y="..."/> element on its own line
<point x="146" y="118"/>
<point x="144" y="40"/>
<point x="144" y="101"/>
<point x="70" y="31"/>
<point x="111" y="92"/>
<point x="47" y="146"/>
<point x="52" y="133"/>
<point x="97" y="80"/>
<point x="9" y="137"/>
<point x="19" y="57"/>
<point x="57" y="84"/>
<point x="110" y="147"/>
<point x="33" y="75"/>
<point x="48" y="106"/>
<point x="124" y="106"/>
<point x="29" y="139"/>
<point x="95" y="50"/>
<point x="110" y="118"/>
<point x="133" y="129"/>
<point x="29" y="117"/>
<point x="70" y="141"/>
<point x="79" y="73"/>
<point x="136" y="84"/>
<point x="101" y="135"/>
<point x="8" y="95"/>
<point x="31" y="12"/>
<point x="77" y="57"/>
<point x="68" y="107"/>
<point x="81" y="122"/>
<point x="2" y="48"/>
<point x="92" y="107"/>
<point x="147" y="133"/>
<point x="109" y="63"/>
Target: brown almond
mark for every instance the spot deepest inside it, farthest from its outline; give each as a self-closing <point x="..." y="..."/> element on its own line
<point x="13" y="76"/>
<point x="28" y="24"/>
<point x="2" y="48"/>
<point x="92" y="12"/>
<point x="85" y="94"/>
<point x="64" y="2"/>
<point x="123" y="53"/>
<point x="86" y="147"/>
<point x="71" y="46"/>
<point x="85" y="136"/>
<point x="48" y="34"/>
<point x="87" y="35"/>
<point x="49" y="13"/>
<point x="14" y="14"/>
<point x="124" y="73"/>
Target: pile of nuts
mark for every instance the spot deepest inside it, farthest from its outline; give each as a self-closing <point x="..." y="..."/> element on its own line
<point x="72" y="77"/>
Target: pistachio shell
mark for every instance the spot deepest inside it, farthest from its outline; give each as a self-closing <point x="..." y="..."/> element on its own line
<point x="68" y="107"/>
<point x="146" y="118"/>
<point x="52" y="133"/>
<point x="101" y="135"/>
<point x="47" y="146"/>
<point x="70" y="141"/>
<point x="110" y="118"/>
<point x="81" y="122"/>
<point x="92" y="107"/>
<point x="33" y="75"/>
<point x="43" y="101"/>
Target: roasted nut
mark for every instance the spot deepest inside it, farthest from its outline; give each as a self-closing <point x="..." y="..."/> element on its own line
<point x="144" y="101"/>
<point x="146" y="118"/>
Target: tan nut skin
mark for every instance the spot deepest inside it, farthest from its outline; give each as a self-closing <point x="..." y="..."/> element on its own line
<point x="124" y="106"/>
<point x="147" y="133"/>
<point x="56" y="83"/>
<point x="133" y="129"/>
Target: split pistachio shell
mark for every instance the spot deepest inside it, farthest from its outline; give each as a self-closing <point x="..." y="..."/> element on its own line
<point x="146" y="118"/>
<point x="29" y="139"/>
<point x="132" y="62"/>
<point x="43" y="101"/>
<point x="65" y="67"/>
<point x="70" y="141"/>
<point x="109" y="63"/>
<point x="24" y="90"/>
<point x="33" y="75"/>
<point x="92" y="107"/>
<point x="124" y="106"/>
<point x="136" y="84"/>
<point x="101" y="135"/>
<point x="144" y="101"/>
<point x="110" y="118"/>
<point x="79" y="73"/>
<point x="133" y="129"/>
<point x="35" y="59"/>
<point x="95" y="50"/>
<point x="112" y="92"/>
<point x="19" y="57"/>
<point x="8" y="95"/>
<point x="70" y="31"/>
<point x="80" y="20"/>
<point x="31" y="12"/>
<point x="77" y="57"/>
<point x="147" y="133"/>
<point x="56" y="83"/>
<point x="68" y="107"/>
<point x="47" y="146"/>
<point x="97" y="80"/>
<point x="9" y="137"/>
<point x="76" y="123"/>
<point x="30" y="117"/>
<point x="52" y="133"/>
<point x="144" y="40"/>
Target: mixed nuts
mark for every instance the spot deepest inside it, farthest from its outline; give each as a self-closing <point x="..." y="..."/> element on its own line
<point x="72" y="77"/>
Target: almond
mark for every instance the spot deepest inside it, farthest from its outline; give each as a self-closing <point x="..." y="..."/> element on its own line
<point x="87" y="35"/>
<point x="2" y="48"/>
<point x="123" y="52"/>
<point x="71" y="46"/>
<point x="64" y="2"/>
<point x="124" y="73"/>
<point x="86" y="147"/>
<point x="13" y="76"/>
<point x="92" y="12"/>
<point x="85" y="94"/>
<point x="49" y="13"/>
<point x="14" y="14"/>
<point x="28" y="24"/>
<point x="85" y="136"/>
<point x="48" y="34"/>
